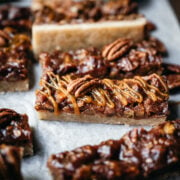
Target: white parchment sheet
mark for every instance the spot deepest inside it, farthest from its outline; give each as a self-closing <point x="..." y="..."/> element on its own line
<point x="53" y="137"/>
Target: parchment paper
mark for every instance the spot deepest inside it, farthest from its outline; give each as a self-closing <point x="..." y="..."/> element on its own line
<point x="53" y="137"/>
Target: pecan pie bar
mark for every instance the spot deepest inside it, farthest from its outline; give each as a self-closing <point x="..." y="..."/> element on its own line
<point x="120" y="59"/>
<point x="139" y="154"/>
<point x="137" y="101"/>
<point x="10" y="163"/>
<point x="15" y="49"/>
<point x="80" y="24"/>
<point x="15" y="130"/>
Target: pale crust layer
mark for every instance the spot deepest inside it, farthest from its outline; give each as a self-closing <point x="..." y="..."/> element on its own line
<point x="21" y="85"/>
<point x="49" y="37"/>
<point x="96" y="118"/>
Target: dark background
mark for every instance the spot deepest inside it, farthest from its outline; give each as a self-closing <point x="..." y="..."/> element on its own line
<point x="176" y="7"/>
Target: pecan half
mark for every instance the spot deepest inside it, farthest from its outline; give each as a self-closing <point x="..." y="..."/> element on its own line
<point x="116" y="49"/>
<point x="77" y="82"/>
<point x="81" y="86"/>
<point x="173" y="81"/>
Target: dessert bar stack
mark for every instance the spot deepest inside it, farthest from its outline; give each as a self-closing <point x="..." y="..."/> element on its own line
<point x="90" y="83"/>
<point x="100" y="64"/>
<point x="15" y="48"/>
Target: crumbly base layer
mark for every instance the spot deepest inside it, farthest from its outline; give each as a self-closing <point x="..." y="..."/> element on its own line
<point x="68" y="117"/>
<point x="22" y="85"/>
<point x="49" y="37"/>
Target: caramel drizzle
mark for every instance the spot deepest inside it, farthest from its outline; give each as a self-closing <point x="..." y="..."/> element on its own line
<point x="59" y="85"/>
<point x="122" y="90"/>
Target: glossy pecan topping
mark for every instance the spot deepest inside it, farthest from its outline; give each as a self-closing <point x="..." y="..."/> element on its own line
<point x="85" y="11"/>
<point x="14" y="129"/>
<point x="15" y="17"/>
<point x="80" y="86"/>
<point x="153" y="43"/>
<point x="139" y="154"/>
<point x="116" y="49"/>
<point x="15" y="52"/>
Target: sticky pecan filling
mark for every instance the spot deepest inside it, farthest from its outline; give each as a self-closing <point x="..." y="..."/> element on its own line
<point x="139" y="154"/>
<point x="118" y="60"/>
<point x="15" y="49"/>
<point x="14" y="128"/>
<point x="15" y="17"/>
<point x="85" y="11"/>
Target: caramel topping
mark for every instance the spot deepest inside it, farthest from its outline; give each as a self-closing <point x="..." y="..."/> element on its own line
<point x="59" y="85"/>
<point x="102" y="92"/>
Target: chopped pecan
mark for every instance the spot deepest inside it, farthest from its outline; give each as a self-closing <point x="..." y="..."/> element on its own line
<point x="116" y="49"/>
<point x="173" y="81"/>
<point x="153" y="43"/>
<point x="171" y="68"/>
<point x="4" y="37"/>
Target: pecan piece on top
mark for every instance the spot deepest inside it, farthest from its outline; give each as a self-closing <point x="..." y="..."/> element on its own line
<point x="81" y="85"/>
<point x="78" y="82"/>
<point x="116" y="49"/>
